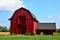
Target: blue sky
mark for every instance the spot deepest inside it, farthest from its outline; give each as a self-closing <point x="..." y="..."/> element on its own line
<point x="44" y="10"/>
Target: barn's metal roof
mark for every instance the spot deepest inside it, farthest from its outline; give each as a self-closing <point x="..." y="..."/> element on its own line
<point x="33" y="16"/>
<point x="29" y="12"/>
<point x="46" y="26"/>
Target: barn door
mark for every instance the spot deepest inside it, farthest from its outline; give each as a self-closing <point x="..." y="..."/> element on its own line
<point x="21" y="24"/>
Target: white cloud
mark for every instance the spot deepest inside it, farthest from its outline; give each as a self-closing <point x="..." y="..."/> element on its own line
<point x="11" y="4"/>
<point x="49" y="17"/>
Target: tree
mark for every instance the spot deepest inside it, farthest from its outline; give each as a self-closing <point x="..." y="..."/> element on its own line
<point x="4" y="29"/>
<point x="0" y="28"/>
<point x="58" y="30"/>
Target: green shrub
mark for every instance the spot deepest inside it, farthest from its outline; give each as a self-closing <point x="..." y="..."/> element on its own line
<point x="34" y="33"/>
<point x="58" y="30"/>
<point x="28" y="33"/>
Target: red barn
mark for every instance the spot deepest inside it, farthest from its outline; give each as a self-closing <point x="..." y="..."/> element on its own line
<point x="23" y="21"/>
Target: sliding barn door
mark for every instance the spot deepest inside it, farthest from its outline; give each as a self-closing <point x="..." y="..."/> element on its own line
<point x="21" y="24"/>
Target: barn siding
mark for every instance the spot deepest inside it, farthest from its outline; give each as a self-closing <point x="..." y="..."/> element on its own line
<point x="45" y="31"/>
<point x="29" y="25"/>
<point x="13" y="27"/>
<point x="35" y="26"/>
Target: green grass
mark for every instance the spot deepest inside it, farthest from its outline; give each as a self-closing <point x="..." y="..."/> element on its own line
<point x="30" y="37"/>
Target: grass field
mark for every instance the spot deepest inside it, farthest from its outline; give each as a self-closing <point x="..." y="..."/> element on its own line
<point x="30" y="37"/>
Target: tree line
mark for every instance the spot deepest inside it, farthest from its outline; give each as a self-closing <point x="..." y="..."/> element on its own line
<point x="58" y="30"/>
<point x="4" y="29"/>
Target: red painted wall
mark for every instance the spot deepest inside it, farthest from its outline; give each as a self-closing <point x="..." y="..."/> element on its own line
<point x="13" y="27"/>
<point x="45" y="32"/>
<point x="29" y="25"/>
<point x="35" y="26"/>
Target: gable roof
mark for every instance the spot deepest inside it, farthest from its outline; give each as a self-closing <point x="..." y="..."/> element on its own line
<point x="46" y="26"/>
<point x="32" y="15"/>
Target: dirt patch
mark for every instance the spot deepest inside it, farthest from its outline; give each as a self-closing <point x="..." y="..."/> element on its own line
<point x="4" y="33"/>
